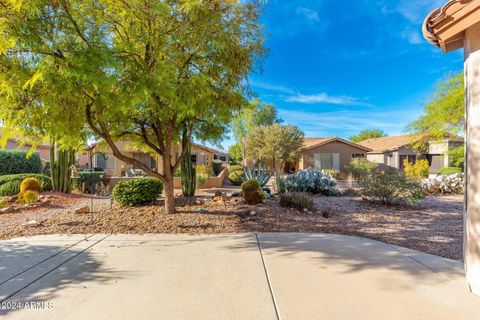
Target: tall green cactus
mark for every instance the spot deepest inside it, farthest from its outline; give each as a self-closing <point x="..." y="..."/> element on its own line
<point x="61" y="162"/>
<point x="188" y="172"/>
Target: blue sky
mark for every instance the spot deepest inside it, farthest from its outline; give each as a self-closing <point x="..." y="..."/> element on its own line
<point x="336" y="67"/>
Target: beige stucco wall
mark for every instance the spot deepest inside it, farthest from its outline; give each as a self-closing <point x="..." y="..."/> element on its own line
<point x="43" y="150"/>
<point x="472" y="134"/>
<point x="344" y="150"/>
<point x="376" y="157"/>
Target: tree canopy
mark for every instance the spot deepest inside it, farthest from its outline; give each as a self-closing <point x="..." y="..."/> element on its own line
<point x="255" y="115"/>
<point x="275" y="143"/>
<point x="367" y="134"/>
<point x="443" y="115"/>
<point x="148" y="71"/>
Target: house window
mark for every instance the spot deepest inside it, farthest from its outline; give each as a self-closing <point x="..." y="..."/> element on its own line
<point x="194" y="158"/>
<point x="326" y="161"/>
<point x="411" y="158"/>
<point x="436" y="162"/>
<point x="223" y="158"/>
<point x="358" y="155"/>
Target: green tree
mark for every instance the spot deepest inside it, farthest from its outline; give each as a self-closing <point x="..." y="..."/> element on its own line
<point x="235" y="152"/>
<point x="443" y="115"/>
<point x="367" y="134"/>
<point x="255" y="115"/>
<point x="142" y="70"/>
<point x="275" y="143"/>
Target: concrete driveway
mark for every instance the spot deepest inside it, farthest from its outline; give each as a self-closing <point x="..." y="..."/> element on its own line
<point x="250" y="276"/>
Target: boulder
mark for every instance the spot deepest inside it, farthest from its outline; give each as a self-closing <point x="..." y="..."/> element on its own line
<point x="83" y="210"/>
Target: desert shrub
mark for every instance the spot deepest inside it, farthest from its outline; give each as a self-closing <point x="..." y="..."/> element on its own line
<point x="10" y="184"/>
<point x="27" y="197"/>
<point x="392" y="187"/>
<point x="30" y="184"/>
<point x="83" y="182"/>
<point x="312" y="181"/>
<point x="251" y="191"/>
<point x="280" y="184"/>
<point x="235" y="168"/>
<point x="453" y="183"/>
<point x="201" y="178"/>
<point x="334" y="173"/>
<point x="217" y="167"/>
<point x="297" y="200"/>
<point x="178" y="172"/>
<point x="360" y="168"/>
<point x="236" y="177"/>
<point x="15" y="162"/>
<point x="450" y="170"/>
<point x="137" y="191"/>
<point x="3" y="202"/>
<point x="204" y="169"/>
<point x="416" y="171"/>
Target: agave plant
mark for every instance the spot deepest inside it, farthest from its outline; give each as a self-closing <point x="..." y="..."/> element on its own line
<point x="259" y="173"/>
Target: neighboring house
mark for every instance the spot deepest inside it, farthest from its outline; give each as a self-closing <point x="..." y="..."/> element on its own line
<point x="390" y="152"/>
<point x="222" y="156"/>
<point x="115" y="167"/>
<point x="16" y="144"/>
<point x="332" y="153"/>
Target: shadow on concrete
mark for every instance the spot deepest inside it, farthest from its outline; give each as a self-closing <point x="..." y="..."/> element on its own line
<point x="353" y="255"/>
<point x="18" y="260"/>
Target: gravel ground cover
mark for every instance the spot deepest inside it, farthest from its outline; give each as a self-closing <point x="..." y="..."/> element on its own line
<point x="434" y="226"/>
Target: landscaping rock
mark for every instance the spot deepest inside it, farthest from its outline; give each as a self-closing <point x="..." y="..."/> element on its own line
<point x="236" y="194"/>
<point x="7" y="210"/>
<point x="31" y="223"/>
<point x="219" y="194"/>
<point x="13" y="199"/>
<point x="83" y="210"/>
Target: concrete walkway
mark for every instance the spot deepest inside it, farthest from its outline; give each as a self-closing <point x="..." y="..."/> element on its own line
<point x="251" y="276"/>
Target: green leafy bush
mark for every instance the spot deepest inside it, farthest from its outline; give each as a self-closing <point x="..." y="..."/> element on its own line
<point x="447" y="171"/>
<point x="137" y="191"/>
<point x="235" y="168"/>
<point x="360" y="168"/>
<point x="392" y="187"/>
<point x="83" y="182"/>
<point x="416" y="171"/>
<point x="297" y="200"/>
<point x="251" y="191"/>
<point x="10" y="184"/>
<point x="15" y="162"/>
<point x="217" y="167"/>
<point x="335" y="174"/>
<point x="236" y="178"/>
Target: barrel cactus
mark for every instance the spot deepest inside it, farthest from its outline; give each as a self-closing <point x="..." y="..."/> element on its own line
<point x="30" y="184"/>
<point x="251" y="191"/>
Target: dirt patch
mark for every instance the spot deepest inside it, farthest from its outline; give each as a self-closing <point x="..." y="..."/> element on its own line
<point x="435" y="226"/>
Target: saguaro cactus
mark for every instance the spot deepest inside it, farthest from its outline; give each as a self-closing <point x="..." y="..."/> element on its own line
<point x="188" y="172"/>
<point x="61" y="162"/>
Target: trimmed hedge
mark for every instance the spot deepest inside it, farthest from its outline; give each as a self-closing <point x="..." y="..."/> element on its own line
<point x="83" y="182"/>
<point x="217" y="167"/>
<point x="15" y="162"/>
<point x="137" y="191"/>
<point x="10" y="184"/>
<point x="447" y="171"/>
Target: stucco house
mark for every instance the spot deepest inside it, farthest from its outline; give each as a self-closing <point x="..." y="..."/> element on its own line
<point x="117" y="168"/>
<point x="17" y="144"/>
<point x="331" y="153"/>
<point x="392" y="151"/>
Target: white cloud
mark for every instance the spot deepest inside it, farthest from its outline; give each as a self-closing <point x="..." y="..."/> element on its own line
<point x="413" y="37"/>
<point x="271" y="87"/>
<point x="309" y="14"/>
<point x="325" y="98"/>
<point x="345" y="123"/>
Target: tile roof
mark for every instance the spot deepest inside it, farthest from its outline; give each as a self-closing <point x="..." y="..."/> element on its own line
<point x="388" y="143"/>
<point x="309" y="143"/>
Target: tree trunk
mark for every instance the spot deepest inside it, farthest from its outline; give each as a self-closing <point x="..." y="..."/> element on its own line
<point x="169" y="196"/>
